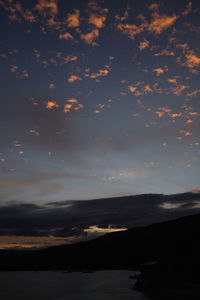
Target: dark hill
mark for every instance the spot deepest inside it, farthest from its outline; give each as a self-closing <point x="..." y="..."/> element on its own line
<point x="167" y="241"/>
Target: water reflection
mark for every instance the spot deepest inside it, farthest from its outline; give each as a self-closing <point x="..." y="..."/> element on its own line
<point x="102" y="285"/>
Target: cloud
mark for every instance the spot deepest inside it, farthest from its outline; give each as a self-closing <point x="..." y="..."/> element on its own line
<point x="73" y="78"/>
<point x="162" y="111"/>
<point x="52" y="86"/>
<point x="65" y="36"/>
<point x="196" y="190"/>
<point x="100" y="73"/>
<point x="19" y="73"/>
<point x="132" y="88"/>
<point x="170" y="205"/>
<point x="160" y="71"/>
<point x="124" y="17"/>
<point x="147" y="89"/>
<point x="193" y="93"/>
<point x="47" y="7"/>
<point x="175" y="115"/>
<point x="161" y="22"/>
<point x="185" y="132"/>
<point x="189" y="58"/>
<point x="94" y="5"/>
<point x="131" y="30"/>
<point x="192" y="60"/>
<point x="90" y="37"/>
<point x="165" y="52"/>
<point x="13" y="68"/>
<point x="72" y="104"/>
<point x="154" y="6"/>
<point x="30" y="242"/>
<point x="178" y="88"/>
<point x="51" y="105"/>
<point x="24" y="74"/>
<point x="67" y="219"/>
<point x="73" y="19"/>
<point x="97" y="21"/>
<point x="143" y="45"/>
<point x="188" y="8"/>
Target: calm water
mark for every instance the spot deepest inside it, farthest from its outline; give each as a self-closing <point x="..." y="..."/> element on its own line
<point x="101" y="285"/>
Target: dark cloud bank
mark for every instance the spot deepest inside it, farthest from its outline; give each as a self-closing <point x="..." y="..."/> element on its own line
<point x="70" y="218"/>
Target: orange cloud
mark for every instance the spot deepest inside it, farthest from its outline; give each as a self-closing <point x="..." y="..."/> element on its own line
<point x="162" y="111"/>
<point x="93" y="5"/>
<point x="157" y="25"/>
<point x="100" y="73"/>
<point x="19" y="73"/>
<point x="160" y="22"/>
<point x="175" y="115"/>
<point x="143" y="45"/>
<point x="189" y="121"/>
<point x="193" y="113"/>
<point x="189" y="58"/>
<point x="65" y="36"/>
<point x="172" y="80"/>
<point x="73" y="19"/>
<point x="188" y="8"/>
<point x="17" y="144"/>
<point x="28" y="242"/>
<point x="160" y="71"/>
<point x="165" y="52"/>
<point x="67" y="108"/>
<point x="131" y="30"/>
<point x="192" y="60"/>
<point x="73" y="100"/>
<point x="72" y="105"/>
<point x="73" y="78"/>
<point x="47" y="7"/>
<point x="97" y="21"/>
<point x="51" y="105"/>
<point x="178" y="88"/>
<point x="182" y="46"/>
<point x="67" y="59"/>
<point x="147" y="89"/>
<point x="185" y="132"/>
<point x="194" y="93"/>
<point x="132" y="88"/>
<point x="154" y="6"/>
<point x="124" y="17"/>
<point x="89" y="38"/>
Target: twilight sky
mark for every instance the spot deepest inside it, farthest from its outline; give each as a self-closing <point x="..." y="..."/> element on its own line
<point x="98" y="99"/>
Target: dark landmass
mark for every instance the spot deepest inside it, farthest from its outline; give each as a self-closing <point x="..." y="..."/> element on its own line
<point x="173" y="244"/>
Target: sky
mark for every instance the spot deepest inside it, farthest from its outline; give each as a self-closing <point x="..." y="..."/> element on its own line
<point x="99" y="99"/>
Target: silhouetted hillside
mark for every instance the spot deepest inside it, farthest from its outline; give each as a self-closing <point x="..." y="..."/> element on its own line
<point x="172" y="240"/>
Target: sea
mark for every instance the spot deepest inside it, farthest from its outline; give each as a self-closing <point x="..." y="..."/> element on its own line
<point x="52" y="285"/>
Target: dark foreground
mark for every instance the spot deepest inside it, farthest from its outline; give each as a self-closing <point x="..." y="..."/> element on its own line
<point x="49" y="285"/>
<point x="173" y="245"/>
